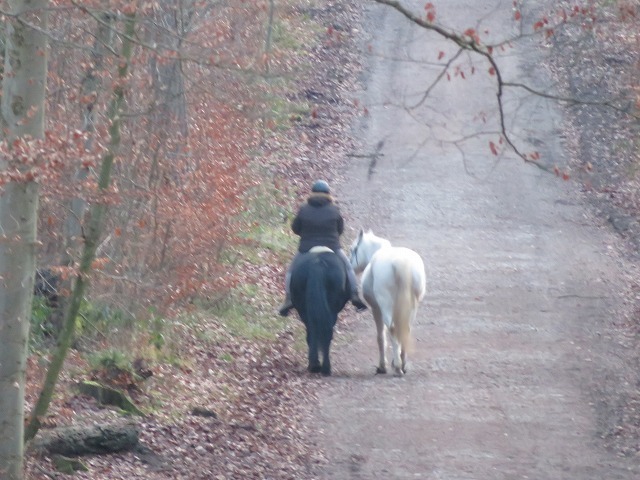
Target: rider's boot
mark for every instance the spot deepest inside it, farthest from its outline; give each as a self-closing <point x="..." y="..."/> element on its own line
<point x="286" y="307"/>
<point x="357" y="302"/>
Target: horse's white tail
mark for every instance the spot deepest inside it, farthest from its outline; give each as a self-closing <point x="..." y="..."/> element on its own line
<point x="404" y="304"/>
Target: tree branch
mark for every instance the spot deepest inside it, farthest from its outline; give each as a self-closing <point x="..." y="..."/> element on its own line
<point x="437" y="80"/>
<point x="471" y="44"/>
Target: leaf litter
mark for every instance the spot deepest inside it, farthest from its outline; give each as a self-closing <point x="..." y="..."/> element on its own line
<point x="233" y="408"/>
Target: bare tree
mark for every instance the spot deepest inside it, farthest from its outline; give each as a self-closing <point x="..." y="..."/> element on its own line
<point x="92" y="237"/>
<point x="484" y="56"/>
<point x="23" y="101"/>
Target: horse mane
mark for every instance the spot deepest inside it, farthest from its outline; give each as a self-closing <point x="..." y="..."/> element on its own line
<point x="379" y="242"/>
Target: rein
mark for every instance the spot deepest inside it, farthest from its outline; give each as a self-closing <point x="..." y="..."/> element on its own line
<point x="355" y="251"/>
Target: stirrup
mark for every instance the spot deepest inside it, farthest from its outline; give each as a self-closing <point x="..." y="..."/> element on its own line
<point x="285" y="308"/>
<point x="359" y="304"/>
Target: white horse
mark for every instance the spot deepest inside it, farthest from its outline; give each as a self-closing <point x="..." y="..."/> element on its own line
<point x="393" y="283"/>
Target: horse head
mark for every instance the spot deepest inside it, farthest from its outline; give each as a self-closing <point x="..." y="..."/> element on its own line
<point x="364" y="247"/>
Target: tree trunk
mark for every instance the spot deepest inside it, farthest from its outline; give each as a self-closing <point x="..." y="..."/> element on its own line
<point x="91" y="84"/>
<point x="268" y="40"/>
<point x="91" y="239"/>
<point x="23" y="103"/>
<point x="167" y="76"/>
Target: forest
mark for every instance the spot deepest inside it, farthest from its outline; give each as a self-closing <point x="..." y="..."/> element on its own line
<point x="172" y="143"/>
<point x="154" y="153"/>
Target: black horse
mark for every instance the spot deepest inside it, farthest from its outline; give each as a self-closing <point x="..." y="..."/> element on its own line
<point x="319" y="291"/>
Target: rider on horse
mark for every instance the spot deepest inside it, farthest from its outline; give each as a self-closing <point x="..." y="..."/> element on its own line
<point x="319" y="223"/>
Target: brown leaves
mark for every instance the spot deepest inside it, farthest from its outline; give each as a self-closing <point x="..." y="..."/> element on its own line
<point x="472" y="34"/>
<point x="256" y="394"/>
<point x="540" y="24"/>
<point x="183" y="193"/>
<point x="564" y="174"/>
<point x="35" y="160"/>
<point x="430" y="12"/>
<point x="627" y="11"/>
<point x="99" y="263"/>
<point x="496" y="147"/>
<point x="584" y="16"/>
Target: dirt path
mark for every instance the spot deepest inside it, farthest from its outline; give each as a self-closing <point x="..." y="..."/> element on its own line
<point x="518" y="359"/>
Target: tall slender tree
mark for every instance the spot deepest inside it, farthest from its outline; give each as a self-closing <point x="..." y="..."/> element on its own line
<point x="23" y="101"/>
<point x="94" y="232"/>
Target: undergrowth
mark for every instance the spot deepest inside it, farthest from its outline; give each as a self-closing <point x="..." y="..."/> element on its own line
<point x="110" y="336"/>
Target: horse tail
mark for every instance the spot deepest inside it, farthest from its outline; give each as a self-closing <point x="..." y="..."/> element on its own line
<point x="319" y="315"/>
<point x="404" y="304"/>
<point x="419" y="281"/>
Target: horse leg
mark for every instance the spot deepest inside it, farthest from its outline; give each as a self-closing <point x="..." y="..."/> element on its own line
<point x="403" y="358"/>
<point x="396" y="348"/>
<point x="312" y="344"/>
<point x="403" y="354"/>
<point x="398" y="362"/>
<point x="326" y="363"/>
<point x="386" y="324"/>
<point x="377" y="302"/>
<point x="382" y="339"/>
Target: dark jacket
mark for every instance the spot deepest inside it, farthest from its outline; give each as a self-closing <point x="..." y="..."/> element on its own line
<point x="318" y="223"/>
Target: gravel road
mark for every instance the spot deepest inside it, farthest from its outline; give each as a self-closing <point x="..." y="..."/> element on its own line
<point x="520" y="359"/>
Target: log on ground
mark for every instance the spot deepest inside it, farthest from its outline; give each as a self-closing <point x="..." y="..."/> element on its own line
<point x="89" y="439"/>
<point x="109" y="396"/>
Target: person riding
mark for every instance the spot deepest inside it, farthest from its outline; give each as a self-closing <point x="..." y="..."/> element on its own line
<point x="319" y="223"/>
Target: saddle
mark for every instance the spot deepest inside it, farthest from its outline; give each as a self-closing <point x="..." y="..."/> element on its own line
<point x="320" y="249"/>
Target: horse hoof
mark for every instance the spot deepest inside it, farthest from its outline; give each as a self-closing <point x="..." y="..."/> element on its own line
<point x="326" y="373"/>
<point x="381" y="370"/>
<point x="399" y="372"/>
<point x="314" y="369"/>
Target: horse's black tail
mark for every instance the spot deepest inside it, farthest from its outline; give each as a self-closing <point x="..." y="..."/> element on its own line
<point x="320" y="316"/>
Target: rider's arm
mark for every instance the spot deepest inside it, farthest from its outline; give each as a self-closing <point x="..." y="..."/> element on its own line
<point x="296" y="225"/>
